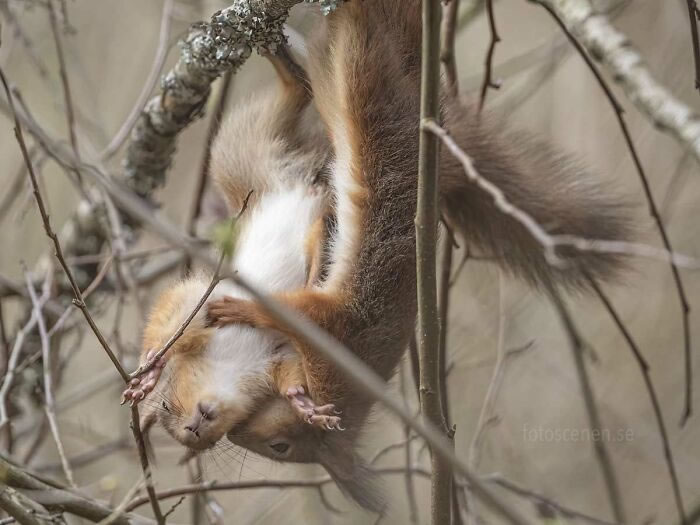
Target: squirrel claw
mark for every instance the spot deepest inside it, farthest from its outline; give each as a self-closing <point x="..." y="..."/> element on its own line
<point x="319" y="416"/>
<point x="138" y="387"/>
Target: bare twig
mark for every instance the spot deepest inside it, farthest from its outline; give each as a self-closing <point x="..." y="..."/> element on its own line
<point x="426" y="258"/>
<point x="495" y="39"/>
<point x="151" y="81"/>
<point x="566" y="512"/>
<point x="447" y="48"/>
<point x="693" y="15"/>
<point x="653" y="209"/>
<point x="143" y="457"/>
<point x="408" y="456"/>
<point x="658" y="414"/>
<point x="50" y="407"/>
<point x="577" y="347"/>
<point x="79" y="300"/>
<point x="214" y="125"/>
<point x="68" y="100"/>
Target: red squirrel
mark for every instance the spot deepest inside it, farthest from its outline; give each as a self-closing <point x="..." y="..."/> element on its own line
<point x="364" y="74"/>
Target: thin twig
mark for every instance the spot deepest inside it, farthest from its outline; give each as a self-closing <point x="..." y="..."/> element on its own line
<point x="495" y="39"/>
<point x="577" y="346"/>
<point x="214" y="125"/>
<point x="408" y="456"/>
<point x="68" y="100"/>
<point x="566" y="512"/>
<point x="653" y="209"/>
<point x="447" y="48"/>
<point x="50" y="406"/>
<point x="143" y="457"/>
<point x="79" y="300"/>
<point x="151" y="81"/>
<point x="658" y="414"/>
<point x="693" y="15"/>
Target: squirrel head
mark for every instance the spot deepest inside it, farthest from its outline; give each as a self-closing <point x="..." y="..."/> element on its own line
<point x="275" y="431"/>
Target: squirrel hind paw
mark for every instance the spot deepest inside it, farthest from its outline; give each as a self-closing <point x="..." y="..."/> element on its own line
<point x="325" y="416"/>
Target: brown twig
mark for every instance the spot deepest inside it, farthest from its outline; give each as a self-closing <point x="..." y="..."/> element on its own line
<point x="653" y="209"/>
<point x="79" y="300"/>
<point x="566" y="512"/>
<point x="143" y="457"/>
<point x="214" y="125"/>
<point x="447" y="48"/>
<point x="50" y="405"/>
<point x="658" y="414"/>
<point x="693" y="15"/>
<point x="577" y="346"/>
<point x="159" y="60"/>
<point x="68" y="100"/>
<point x="495" y="39"/>
<point x="426" y="258"/>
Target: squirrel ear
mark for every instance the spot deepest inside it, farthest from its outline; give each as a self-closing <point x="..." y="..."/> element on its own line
<point x="354" y="478"/>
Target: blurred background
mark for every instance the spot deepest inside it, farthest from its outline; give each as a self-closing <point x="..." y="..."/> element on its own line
<point x="526" y="435"/>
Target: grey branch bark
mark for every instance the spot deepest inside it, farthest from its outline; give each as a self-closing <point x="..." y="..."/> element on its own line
<point x="208" y="51"/>
<point x="627" y="67"/>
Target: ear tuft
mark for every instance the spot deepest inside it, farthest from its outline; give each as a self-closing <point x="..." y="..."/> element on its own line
<point x="355" y="479"/>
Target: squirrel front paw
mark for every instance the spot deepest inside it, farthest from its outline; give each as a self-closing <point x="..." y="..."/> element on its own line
<point x="144" y="383"/>
<point x="325" y="416"/>
<point x="228" y="310"/>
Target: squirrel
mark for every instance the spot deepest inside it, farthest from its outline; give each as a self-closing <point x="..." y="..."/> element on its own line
<point x="364" y="79"/>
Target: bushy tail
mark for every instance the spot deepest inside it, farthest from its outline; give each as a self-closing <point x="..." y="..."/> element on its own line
<point x="551" y="187"/>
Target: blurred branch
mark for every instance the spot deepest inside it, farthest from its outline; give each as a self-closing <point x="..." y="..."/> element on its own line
<point x="488" y="80"/>
<point x="627" y="67"/>
<point x="658" y="414"/>
<point x="447" y="47"/>
<point x="54" y="496"/>
<point x="583" y="30"/>
<point x="151" y="81"/>
<point x="577" y="346"/>
<point x="693" y="15"/>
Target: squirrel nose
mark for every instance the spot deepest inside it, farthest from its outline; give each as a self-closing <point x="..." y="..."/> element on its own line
<point x="193" y="428"/>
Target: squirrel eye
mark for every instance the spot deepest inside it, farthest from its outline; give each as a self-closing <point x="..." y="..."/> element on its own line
<point x="280" y="447"/>
<point x="165" y="406"/>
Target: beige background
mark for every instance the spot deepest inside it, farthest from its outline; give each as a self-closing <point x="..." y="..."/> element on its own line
<point x="109" y="57"/>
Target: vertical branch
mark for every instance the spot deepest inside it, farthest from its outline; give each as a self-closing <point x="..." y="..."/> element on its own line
<point x="577" y="346"/>
<point x="47" y="365"/>
<point x="68" y="99"/>
<point x="658" y="415"/>
<point x="447" y="48"/>
<point x="214" y="125"/>
<point x="143" y="457"/>
<point x="693" y="15"/>
<point x="488" y="74"/>
<point x="408" y="456"/>
<point x="426" y="241"/>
